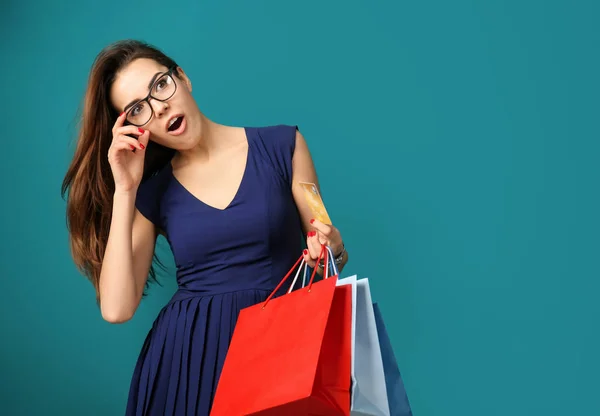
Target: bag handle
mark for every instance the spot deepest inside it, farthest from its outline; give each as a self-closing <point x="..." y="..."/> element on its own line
<point x="300" y="259"/>
<point x="334" y="268"/>
<point x="328" y="260"/>
<point x="304" y="266"/>
<point x="312" y="277"/>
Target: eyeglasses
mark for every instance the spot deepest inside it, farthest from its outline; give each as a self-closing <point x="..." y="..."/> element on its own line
<point x="163" y="89"/>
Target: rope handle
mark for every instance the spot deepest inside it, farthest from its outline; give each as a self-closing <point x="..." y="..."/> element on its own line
<point x="289" y="273"/>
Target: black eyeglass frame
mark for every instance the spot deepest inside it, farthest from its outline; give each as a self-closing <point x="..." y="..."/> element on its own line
<point x="147" y="98"/>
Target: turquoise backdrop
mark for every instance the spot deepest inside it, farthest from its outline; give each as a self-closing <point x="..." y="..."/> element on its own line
<point x="457" y="146"/>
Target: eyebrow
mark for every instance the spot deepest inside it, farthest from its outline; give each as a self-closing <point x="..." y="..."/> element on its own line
<point x="149" y="86"/>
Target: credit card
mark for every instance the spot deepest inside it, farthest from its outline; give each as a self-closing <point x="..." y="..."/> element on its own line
<point x="313" y="198"/>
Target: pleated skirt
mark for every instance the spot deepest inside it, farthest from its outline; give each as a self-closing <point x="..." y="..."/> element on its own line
<point x="183" y="354"/>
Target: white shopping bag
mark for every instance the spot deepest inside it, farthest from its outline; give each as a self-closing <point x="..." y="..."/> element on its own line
<point x="368" y="391"/>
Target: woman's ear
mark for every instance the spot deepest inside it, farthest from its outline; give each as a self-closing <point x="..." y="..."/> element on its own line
<point x="183" y="77"/>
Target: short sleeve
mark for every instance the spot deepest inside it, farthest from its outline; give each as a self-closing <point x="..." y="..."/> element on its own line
<point x="279" y="144"/>
<point x="148" y="198"/>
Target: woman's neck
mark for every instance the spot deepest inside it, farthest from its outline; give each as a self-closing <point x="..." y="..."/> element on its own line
<point x="213" y="139"/>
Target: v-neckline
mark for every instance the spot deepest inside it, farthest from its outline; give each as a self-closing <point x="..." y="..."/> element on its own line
<point x="237" y="192"/>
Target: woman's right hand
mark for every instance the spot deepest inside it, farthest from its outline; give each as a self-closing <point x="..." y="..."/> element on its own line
<point x="127" y="165"/>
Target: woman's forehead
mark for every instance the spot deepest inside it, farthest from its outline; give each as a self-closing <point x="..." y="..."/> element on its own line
<point x="132" y="81"/>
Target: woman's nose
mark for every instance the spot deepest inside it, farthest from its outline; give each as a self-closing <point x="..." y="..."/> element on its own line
<point x="160" y="107"/>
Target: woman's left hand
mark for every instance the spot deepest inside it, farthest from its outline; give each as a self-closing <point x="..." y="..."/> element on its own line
<point x="322" y="234"/>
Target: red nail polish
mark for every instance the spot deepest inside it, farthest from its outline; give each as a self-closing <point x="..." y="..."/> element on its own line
<point x="141" y="130"/>
<point x="305" y="252"/>
<point x="312" y="221"/>
<point x="311" y="233"/>
<point x="132" y="147"/>
<point x="121" y="113"/>
<point x="142" y="146"/>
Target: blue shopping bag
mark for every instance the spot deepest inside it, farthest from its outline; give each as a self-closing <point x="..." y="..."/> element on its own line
<point x="396" y="393"/>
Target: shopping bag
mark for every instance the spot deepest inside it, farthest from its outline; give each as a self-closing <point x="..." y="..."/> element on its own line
<point x="290" y="355"/>
<point x="396" y="393"/>
<point x="368" y="386"/>
<point x="369" y="394"/>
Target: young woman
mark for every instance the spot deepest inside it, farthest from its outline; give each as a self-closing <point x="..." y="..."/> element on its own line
<point x="227" y="199"/>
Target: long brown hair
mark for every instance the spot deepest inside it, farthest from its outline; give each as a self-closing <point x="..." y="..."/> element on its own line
<point x="88" y="182"/>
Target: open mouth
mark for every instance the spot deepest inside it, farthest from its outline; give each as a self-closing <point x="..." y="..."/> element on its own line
<point x="175" y="123"/>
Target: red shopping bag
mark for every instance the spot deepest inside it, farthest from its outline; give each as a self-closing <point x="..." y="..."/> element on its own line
<point x="290" y="355"/>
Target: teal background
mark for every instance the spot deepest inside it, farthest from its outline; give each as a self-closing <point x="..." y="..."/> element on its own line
<point x="457" y="147"/>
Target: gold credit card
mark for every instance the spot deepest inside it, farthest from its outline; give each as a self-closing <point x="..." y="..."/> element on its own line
<point x="313" y="198"/>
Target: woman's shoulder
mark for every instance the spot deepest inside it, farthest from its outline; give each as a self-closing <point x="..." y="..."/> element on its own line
<point x="277" y="133"/>
<point x="276" y="144"/>
<point x="277" y="140"/>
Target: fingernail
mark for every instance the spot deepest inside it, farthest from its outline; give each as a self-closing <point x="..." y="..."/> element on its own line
<point x="141" y="130"/>
<point x="132" y="147"/>
<point x="311" y="233"/>
<point x="121" y="113"/>
<point x="142" y="146"/>
<point x="305" y="252"/>
<point x="313" y="220"/>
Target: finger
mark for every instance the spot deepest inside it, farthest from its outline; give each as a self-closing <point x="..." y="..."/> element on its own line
<point x="131" y="141"/>
<point x="144" y="139"/>
<point x="314" y="247"/>
<point x="137" y="131"/>
<point x="310" y="262"/>
<point x="307" y="258"/>
<point x="310" y="244"/>
<point x="313" y="251"/>
<point x="328" y="234"/>
<point x="120" y="121"/>
<point x="320" y="249"/>
<point x="322" y="238"/>
<point x="325" y="229"/>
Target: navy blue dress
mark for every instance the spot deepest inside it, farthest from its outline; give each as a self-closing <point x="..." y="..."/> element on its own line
<point x="226" y="260"/>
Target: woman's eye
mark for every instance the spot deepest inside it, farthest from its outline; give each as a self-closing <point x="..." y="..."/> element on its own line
<point x="137" y="109"/>
<point x="161" y="84"/>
